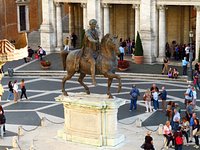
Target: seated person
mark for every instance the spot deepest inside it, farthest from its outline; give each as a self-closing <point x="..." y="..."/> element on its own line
<point x="175" y="73"/>
<point x="167" y="132"/>
<point x="170" y="73"/>
<point x="41" y="52"/>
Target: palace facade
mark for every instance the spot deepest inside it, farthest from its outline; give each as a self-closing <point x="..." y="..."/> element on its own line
<point x="157" y="21"/>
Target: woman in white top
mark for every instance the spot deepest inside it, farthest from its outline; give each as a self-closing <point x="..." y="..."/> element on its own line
<point x="15" y="91"/>
<point x="167" y="132"/>
<point x="194" y="98"/>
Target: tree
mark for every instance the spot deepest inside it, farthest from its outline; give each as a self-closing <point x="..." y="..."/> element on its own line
<point x="138" y="46"/>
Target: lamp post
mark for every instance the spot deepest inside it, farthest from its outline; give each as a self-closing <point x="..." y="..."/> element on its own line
<point x="190" y="72"/>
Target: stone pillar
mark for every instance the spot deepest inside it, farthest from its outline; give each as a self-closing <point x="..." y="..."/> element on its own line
<point x="106" y="28"/>
<point x="85" y="21"/>
<point x="137" y="19"/>
<point x="146" y="30"/>
<point x="155" y="28"/>
<point x="71" y="20"/>
<point x="94" y="12"/>
<point x="46" y="29"/>
<point x="162" y="32"/>
<point x="92" y="9"/>
<point x="197" y="31"/>
<point x="59" y="44"/>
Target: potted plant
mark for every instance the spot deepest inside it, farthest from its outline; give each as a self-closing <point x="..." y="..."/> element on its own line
<point x="123" y="65"/>
<point x="138" y="58"/>
<point x="45" y="64"/>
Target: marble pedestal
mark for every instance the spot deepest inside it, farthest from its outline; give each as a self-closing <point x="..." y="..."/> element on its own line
<point x="91" y="119"/>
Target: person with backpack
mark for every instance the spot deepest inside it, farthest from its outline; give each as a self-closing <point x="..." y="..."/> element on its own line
<point x="178" y="138"/>
<point x="188" y="95"/>
<point x="134" y="93"/>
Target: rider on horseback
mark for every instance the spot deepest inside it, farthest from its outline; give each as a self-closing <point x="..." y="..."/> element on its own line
<point x="90" y="48"/>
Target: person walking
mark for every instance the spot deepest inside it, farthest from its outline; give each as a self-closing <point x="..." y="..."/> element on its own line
<point x="184" y="65"/>
<point x="15" y="91"/>
<point x="188" y="95"/>
<point x="196" y="136"/>
<point x="147" y="100"/>
<point x="66" y="43"/>
<point x="23" y="89"/>
<point x="148" y="142"/>
<point x="134" y="93"/>
<point x="2" y="121"/>
<point x="121" y="49"/>
<point x="10" y="92"/>
<point x="194" y="98"/>
<point x="163" y="96"/>
<point x="165" y="65"/>
<point x="178" y="138"/>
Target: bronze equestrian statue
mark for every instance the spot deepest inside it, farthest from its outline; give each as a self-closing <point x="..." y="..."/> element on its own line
<point x="94" y="59"/>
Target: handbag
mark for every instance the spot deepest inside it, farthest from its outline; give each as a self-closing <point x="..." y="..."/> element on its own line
<point x="194" y="132"/>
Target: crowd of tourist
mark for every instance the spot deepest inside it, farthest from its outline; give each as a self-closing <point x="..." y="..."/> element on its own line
<point x="176" y="127"/>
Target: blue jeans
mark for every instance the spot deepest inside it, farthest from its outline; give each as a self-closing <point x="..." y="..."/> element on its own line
<point x="178" y="147"/>
<point x="133" y="104"/>
<point x="155" y="104"/>
<point x="10" y="96"/>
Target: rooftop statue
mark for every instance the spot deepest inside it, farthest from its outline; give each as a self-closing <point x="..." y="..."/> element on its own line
<point x="94" y="58"/>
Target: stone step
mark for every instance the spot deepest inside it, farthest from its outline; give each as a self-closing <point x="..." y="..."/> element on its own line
<point x="123" y="75"/>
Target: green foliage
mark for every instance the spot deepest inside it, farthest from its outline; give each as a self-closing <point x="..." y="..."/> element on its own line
<point x="138" y="46"/>
<point x="82" y="37"/>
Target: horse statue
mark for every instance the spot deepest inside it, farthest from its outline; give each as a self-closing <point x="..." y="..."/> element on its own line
<point x="106" y="64"/>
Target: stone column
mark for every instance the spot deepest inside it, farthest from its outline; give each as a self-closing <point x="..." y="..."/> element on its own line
<point x="85" y="22"/>
<point x="162" y="32"/>
<point x="71" y="20"/>
<point x="155" y="28"/>
<point x="137" y="19"/>
<point x="59" y="44"/>
<point x="106" y="28"/>
<point x="46" y="29"/>
<point x="146" y="32"/>
<point x="197" y="31"/>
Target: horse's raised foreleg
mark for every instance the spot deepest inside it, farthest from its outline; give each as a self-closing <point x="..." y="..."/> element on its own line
<point x="110" y="76"/>
<point x="80" y="80"/>
<point x="109" y="84"/>
<point x="67" y="77"/>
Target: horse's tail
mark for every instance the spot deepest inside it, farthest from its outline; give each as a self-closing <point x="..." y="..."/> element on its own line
<point x="64" y="57"/>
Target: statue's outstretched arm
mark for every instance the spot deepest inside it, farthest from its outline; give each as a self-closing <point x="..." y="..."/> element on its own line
<point x="90" y="38"/>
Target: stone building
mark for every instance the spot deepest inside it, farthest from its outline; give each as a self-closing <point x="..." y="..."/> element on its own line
<point x="158" y="21"/>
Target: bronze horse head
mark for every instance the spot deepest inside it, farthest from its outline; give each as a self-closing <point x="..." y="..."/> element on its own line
<point x="106" y="64"/>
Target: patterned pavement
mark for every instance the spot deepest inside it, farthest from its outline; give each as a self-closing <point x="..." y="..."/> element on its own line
<point x="41" y="92"/>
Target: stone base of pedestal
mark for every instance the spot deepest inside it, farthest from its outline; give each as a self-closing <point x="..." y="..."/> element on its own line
<point x="91" y="119"/>
<point x="108" y="141"/>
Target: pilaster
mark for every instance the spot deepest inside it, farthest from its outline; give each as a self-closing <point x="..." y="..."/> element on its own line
<point x="46" y="28"/>
<point x="146" y="30"/>
<point x="59" y="33"/>
<point x="197" y="30"/>
<point x="137" y="18"/>
<point x="84" y="5"/>
<point x="106" y="27"/>
<point x="162" y="32"/>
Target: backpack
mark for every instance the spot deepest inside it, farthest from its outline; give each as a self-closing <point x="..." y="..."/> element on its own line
<point x="190" y="93"/>
<point x="179" y="140"/>
<point x="134" y="93"/>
